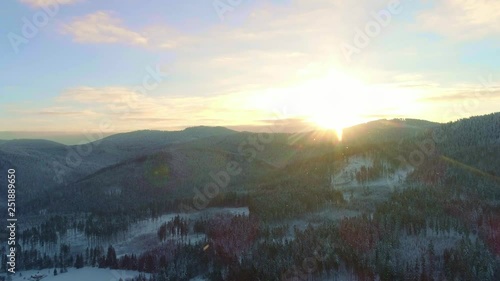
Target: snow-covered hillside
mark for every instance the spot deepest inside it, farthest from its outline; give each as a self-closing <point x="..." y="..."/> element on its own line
<point x="346" y="177"/>
<point x="83" y="274"/>
<point x="141" y="236"/>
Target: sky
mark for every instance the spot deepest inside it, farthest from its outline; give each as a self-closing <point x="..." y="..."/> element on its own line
<point x="71" y="66"/>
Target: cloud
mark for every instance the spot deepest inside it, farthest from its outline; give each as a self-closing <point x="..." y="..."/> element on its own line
<point x="383" y="116"/>
<point x="62" y="112"/>
<point x="460" y="101"/>
<point x="129" y="110"/>
<point x="98" y="95"/>
<point x="102" y="27"/>
<point x="477" y="95"/>
<point x="278" y="125"/>
<point x="275" y="47"/>
<point x="45" y="3"/>
<point x="167" y="38"/>
<point x="405" y="80"/>
<point x="314" y="27"/>
<point x="462" y="19"/>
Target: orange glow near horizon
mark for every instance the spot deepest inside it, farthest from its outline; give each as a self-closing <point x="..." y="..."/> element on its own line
<point x="335" y="101"/>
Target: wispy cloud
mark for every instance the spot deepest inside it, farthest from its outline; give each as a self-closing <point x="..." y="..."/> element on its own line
<point x="102" y="27"/>
<point x="274" y="46"/>
<point x="130" y="110"/>
<point x="462" y="19"/>
<point x="61" y="112"/>
<point x="278" y="125"/>
<point x="484" y="95"/>
<point x="98" y="95"/>
<point x="45" y="3"/>
<point x="273" y="58"/>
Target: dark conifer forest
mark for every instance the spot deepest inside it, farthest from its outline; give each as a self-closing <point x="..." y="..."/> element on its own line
<point x="397" y="199"/>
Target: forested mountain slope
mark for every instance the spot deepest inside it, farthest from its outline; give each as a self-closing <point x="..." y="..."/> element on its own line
<point x="123" y="166"/>
<point x="43" y="165"/>
<point x="461" y="153"/>
<point x="394" y="200"/>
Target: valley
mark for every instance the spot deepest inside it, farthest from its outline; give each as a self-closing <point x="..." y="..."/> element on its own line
<point x="395" y="199"/>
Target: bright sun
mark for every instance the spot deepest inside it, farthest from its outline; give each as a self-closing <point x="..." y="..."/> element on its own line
<point x="334" y="101"/>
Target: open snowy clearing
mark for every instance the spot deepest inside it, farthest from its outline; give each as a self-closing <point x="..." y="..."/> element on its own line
<point x="345" y="178"/>
<point x="141" y="236"/>
<point x="83" y="274"/>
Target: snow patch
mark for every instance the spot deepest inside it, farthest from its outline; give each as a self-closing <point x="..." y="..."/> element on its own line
<point x="83" y="274"/>
<point x="346" y="177"/>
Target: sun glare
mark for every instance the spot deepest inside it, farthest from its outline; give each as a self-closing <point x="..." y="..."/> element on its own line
<point x="334" y="102"/>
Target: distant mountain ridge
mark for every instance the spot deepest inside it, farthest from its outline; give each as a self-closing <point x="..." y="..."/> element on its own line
<point x="120" y="164"/>
<point x="76" y="138"/>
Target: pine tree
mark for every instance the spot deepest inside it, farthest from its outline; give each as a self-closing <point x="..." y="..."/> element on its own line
<point x="111" y="260"/>
<point x="79" y="263"/>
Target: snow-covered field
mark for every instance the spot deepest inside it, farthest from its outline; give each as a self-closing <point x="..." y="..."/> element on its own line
<point x="141" y="236"/>
<point x="345" y="178"/>
<point x="346" y="175"/>
<point x="83" y="274"/>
